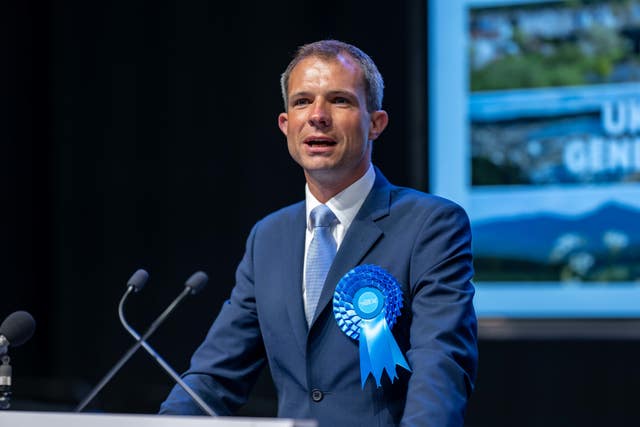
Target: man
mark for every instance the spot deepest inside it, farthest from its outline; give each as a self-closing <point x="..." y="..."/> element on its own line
<point x="276" y="313"/>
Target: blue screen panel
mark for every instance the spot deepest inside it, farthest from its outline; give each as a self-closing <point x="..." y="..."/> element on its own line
<point x="535" y="131"/>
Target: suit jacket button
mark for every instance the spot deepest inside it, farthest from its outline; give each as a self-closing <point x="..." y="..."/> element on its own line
<point x="316" y="395"/>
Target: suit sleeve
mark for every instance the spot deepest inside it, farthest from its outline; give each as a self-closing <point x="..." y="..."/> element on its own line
<point x="443" y="334"/>
<point x="227" y="363"/>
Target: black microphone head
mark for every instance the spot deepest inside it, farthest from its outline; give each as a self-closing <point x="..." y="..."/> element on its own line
<point x="138" y="279"/>
<point x="18" y="327"/>
<point x="197" y="281"/>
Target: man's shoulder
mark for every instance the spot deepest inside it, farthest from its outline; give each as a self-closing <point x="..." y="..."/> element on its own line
<point x="401" y="198"/>
<point x="409" y="198"/>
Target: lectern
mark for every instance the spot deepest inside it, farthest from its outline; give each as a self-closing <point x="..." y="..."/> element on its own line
<point x="66" y="419"/>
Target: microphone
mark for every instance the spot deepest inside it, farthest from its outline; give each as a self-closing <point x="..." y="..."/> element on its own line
<point x="16" y="329"/>
<point x="193" y="285"/>
<point x="138" y="280"/>
<point x="135" y="283"/>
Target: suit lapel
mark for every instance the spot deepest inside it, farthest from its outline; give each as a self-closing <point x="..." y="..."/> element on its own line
<point x="361" y="236"/>
<point x="293" y="260"/>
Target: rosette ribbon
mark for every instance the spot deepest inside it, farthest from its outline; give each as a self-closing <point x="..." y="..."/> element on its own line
<point x="366" y="304"/>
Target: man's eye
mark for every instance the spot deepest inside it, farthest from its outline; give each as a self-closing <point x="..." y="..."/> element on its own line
<point x="301" y="101"/>
<point x="341" y="100"/>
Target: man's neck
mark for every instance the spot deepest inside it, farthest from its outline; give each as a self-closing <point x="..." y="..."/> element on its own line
<point x="324" y="188"/>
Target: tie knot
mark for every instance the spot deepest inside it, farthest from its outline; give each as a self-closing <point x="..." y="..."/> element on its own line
<point x="321" y="216"/>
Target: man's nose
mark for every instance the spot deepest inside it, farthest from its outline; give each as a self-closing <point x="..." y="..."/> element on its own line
<point x="320" y="116"/>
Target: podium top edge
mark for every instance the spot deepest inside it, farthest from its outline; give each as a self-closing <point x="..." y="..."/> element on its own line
<point x="71" y="419"/>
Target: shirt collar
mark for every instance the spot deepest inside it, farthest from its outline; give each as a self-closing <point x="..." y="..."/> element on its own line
<point x="346" y="204"/>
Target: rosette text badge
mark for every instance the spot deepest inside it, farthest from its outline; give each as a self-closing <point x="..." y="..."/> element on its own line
<point x="366" y="304"/>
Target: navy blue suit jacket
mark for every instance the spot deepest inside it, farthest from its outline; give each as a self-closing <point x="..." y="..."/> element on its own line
<point x="425" y="242"/>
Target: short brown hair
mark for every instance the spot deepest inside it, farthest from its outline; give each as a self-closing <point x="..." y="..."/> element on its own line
<point x="330" y="49"/>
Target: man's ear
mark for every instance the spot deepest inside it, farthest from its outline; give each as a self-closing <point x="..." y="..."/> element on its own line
<point x="283" y="123"/>
<point x="379" y="121"/>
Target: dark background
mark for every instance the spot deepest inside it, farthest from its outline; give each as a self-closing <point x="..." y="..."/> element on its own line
<point x="143" y="134"/>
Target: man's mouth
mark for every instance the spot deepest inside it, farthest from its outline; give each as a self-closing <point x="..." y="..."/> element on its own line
<point x="312" y="142"/>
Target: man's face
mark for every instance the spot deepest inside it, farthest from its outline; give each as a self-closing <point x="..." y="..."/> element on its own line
<point x="327" y="125"/>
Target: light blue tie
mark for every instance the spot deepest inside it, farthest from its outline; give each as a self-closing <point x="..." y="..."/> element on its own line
<point x="320" y="254"/>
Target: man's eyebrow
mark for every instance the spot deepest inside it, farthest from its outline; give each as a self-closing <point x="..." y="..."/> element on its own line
<point x="298" y="94"/>
<point x="342" y="92"/>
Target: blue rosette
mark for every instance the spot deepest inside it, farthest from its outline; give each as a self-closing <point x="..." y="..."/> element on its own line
<point x="366" y="304"/>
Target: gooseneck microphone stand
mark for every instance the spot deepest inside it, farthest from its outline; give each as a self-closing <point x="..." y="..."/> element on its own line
<point x="164" y="365"/>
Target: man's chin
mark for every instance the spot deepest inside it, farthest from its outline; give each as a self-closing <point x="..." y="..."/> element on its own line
<point x="318" y="165"/>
